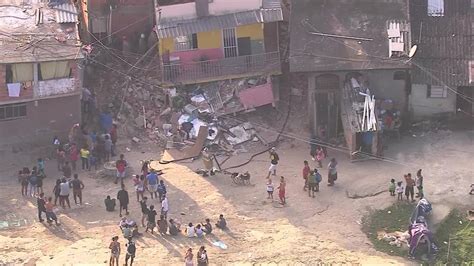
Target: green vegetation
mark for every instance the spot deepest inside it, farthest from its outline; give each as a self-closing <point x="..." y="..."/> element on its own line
<point x="461" y="245"/>
<point x="394" y="218"/>
<point x="454" y="231"/>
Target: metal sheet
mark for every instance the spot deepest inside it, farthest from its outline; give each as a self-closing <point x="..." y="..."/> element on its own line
<point x="167" y="29"/>
<point x="66" y="13"/>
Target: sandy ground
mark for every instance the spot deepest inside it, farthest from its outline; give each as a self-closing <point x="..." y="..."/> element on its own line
<point x="306" y="231"/>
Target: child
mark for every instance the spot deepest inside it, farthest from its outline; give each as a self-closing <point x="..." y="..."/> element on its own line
<point x="391" y="187"/>
<point x="399" y="189"/>
<point x="270" y="189"/>
<point x="93" y="160"/>
<point x="319" y="156"/>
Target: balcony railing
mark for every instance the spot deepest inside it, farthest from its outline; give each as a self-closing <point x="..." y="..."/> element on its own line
<point x="222" y="68"/>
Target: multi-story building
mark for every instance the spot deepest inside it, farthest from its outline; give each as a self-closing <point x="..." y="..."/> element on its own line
<point x="344" y="48"/>
<point x="204" y="41"/>
<point x="443" y="67"/>
<point x="40" y="77"/>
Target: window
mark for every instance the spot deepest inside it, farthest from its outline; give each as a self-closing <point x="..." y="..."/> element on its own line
<point x="18" y="73"/>
<point x="434" y="91"/>
<point x="435" y="8"/>
<point x="185" y="43"/>
<point x="230" y="43"/>
<point x="472" y="3"/>
<point x="54" y="70"/>
<point x="12" y="111"/>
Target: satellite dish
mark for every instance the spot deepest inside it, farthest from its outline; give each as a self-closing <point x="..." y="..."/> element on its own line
<point x="413" y="51"/>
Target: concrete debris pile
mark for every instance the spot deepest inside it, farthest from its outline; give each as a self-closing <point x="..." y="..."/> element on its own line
<point x="173" y="117"/>
<point x="233" y="96"/>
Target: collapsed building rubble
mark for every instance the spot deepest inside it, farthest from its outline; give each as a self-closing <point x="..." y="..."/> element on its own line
<point x="175" y="118"/>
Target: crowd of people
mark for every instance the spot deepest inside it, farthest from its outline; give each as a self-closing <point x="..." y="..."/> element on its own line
<point x="312" y="178"/>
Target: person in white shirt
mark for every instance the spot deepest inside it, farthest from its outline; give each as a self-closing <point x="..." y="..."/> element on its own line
<point x="190" y="231"/>
<point x="164" y="207"/>
<point x="399" y="190"/>
<point x="64" y="188"/>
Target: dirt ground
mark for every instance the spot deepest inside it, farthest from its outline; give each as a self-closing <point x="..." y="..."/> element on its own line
<point x="306" y="231"/>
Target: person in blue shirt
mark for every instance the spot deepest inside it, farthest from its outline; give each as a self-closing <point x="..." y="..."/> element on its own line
<point x="152" y="184"/>
<point x="161" y="189"/>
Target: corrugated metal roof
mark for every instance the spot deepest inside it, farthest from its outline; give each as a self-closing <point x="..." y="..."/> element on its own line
<point x="185" y="27"/>
<point x="271" y="4"/>
<point x="66" y="13"/>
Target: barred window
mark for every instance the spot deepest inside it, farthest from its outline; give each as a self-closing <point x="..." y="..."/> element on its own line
<point x="12" y="111"/>
<point x="187" y="42"/>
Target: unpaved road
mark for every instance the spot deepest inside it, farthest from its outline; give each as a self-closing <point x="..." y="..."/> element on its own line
<point x="306" y="231"/>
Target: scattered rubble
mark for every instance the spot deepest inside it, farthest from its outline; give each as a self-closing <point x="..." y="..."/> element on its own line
<point x="173" y="117"/>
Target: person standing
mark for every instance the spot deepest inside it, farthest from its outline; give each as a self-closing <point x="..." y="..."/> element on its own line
<point x="107" y="147"/>
<point x="73" y="156"/>
<point x="24" y="181"/>
<point x="61" y="158"/>
<point x="151" y="219"/>
<point x="145" y="210"/>
<point x="207" y="160"/>
<point x="114" y="251"/>
<point x="77" y="187"/>
<point x="131" y="250"/>
<point x="64" y="193"/>
<point x="152" y="183"/>
<point x="161" y="189"/>
<point x="419" y="184"/>
<point x="273" y="162"/>
<point x="85" y="153"/>
<point x="123" y="199"/>
<point x="270" y="189"/>
<point x="41" y="166"/>
<point x="409" y="187"/>
<point x="164" y="206"/>
<point x="139" y="184"/>
<point x="56" y="191"/>
<point x="282" y="191"/>
<point x="320" y="156"/>
<point x="39" y="182"/>
<point x="332" y="172"/>
<point x="121" y="166"/>
<point x="188" y="257"/>
<point x="67" y="170"/>
<point x="113" y="138"/>
<point x="32" y="181"/>
<point x="202" y="259"/>
<point x="41" y="204"/>
<point x="306" y="173"/>
<point x="50" y="215"/>
<point x="312" y="183"/>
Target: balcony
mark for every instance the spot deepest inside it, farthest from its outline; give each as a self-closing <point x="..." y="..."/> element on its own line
<point x="226" y="68"/>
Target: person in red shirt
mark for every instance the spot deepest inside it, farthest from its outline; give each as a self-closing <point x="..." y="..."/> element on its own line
<point x="73" y="156"/>
<point x="121" y="165"/>
<point x="306" y="171"/>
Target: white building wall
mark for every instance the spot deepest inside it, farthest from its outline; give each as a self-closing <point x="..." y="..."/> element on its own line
<point x="421" y="106"/>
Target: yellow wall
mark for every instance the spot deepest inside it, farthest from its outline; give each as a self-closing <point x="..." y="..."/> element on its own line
<point x="213" y="39"/>
<point x="254" y="31"/>
<point x="166" y="44"/>
<point x="210" y="39"/>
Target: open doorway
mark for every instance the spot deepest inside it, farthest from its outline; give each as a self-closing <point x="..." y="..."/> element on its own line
<point x="326" y="124"/>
